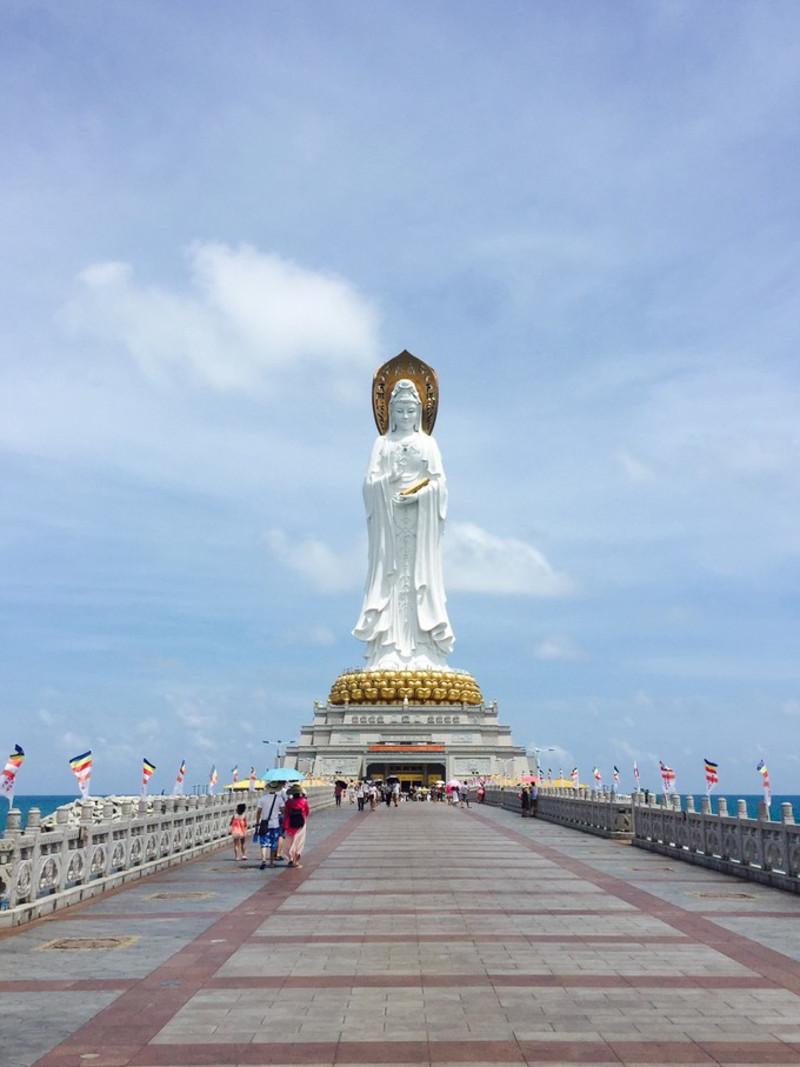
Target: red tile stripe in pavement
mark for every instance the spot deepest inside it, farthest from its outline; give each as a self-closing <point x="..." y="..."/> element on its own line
<point x="507" y="1051"/>
<point x="472" y="939"/>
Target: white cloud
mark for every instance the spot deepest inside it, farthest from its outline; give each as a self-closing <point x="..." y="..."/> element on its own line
<point x="317" y="563"/>
<point x="558" y="647"/>
<point x="477" y="561"/>
<point x="247" y="316"/>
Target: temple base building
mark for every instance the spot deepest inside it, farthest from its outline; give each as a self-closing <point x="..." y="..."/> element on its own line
<point x="419" y="726"/>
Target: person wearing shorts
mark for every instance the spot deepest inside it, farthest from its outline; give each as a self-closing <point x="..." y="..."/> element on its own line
<point x="270" y="815"/>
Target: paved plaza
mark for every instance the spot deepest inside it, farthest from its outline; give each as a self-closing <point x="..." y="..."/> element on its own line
<point x="418" y="935"/>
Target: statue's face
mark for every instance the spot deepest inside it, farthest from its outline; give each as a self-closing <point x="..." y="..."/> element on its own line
<point x="404" y="414"/>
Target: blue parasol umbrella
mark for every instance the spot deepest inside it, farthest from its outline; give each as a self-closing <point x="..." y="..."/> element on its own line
<point x="283" y="774"/>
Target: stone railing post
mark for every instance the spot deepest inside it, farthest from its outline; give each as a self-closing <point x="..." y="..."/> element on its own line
<point x="723" y="808"/>
<point x="13" y="823"/>
<point x="34" y="821"/>
<point x="787" y="815"/>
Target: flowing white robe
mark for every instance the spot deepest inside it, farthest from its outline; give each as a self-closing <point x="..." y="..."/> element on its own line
<point x="404" y="619"/>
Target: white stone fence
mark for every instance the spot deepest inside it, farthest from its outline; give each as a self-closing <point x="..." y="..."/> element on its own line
<point x="43" y="870"/>
<point x="760" y="850"/>
<point x="587" y="810"/>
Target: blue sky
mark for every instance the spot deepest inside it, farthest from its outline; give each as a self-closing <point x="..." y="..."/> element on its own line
<point x="219" y="220"/>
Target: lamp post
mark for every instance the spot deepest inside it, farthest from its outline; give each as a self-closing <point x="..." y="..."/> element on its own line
<point x="505" y="763"/>
<point x="278" y="754"/>
<point x="310" y="762"/>
<point x="532" y="750"/>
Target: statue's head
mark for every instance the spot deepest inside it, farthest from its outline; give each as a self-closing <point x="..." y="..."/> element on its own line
<point x="405" y="397"/>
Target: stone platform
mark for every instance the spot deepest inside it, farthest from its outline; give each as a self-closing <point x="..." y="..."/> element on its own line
<point x="417" y="935"/>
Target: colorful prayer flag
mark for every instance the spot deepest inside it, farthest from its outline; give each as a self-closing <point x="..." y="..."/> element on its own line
<point x="636" y="775"/>
<point x="712" y="778"/>
<point x="181" y="776"/>
<point x="148" y="770"/>
<point x="667" y="777"/>
<point x="235" y="773"/>
<point x="575" y="778"/>
<point x="252" y="785"/>
<point x="82" y="769"/>
<point x="597" y="775"/>
<point x="762" y="769"/>
<point x="213" y="778"/>
<point x="616" y="775"/>
<point x="9" y="773"/>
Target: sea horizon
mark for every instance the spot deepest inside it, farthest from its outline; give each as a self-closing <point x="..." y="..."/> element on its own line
<point x="48" y="803"/>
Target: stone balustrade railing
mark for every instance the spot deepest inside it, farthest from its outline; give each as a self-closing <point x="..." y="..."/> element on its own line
<point x="760" y="850"/>
<point x="43" y="870"/>
<point x="587" y="810"/>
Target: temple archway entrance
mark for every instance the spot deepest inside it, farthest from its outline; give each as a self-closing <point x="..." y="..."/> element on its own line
<point x="409" y="774"/>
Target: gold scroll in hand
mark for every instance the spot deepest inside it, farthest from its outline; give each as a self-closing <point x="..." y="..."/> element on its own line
<point x="414" y="488"/>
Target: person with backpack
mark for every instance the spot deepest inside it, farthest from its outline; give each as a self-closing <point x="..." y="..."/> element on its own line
<point x="295" y="816"/>
<point x="270" y="810"/>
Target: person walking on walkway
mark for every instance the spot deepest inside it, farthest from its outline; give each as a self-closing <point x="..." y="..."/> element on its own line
<point x="239" y="832"/>
<point x="295" y="816"/>
<point x="525" y="802"/>
<point x="270" y="811"/>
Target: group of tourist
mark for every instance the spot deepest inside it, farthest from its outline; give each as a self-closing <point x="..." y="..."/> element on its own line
<point x="281" y="826"/>
<point x="529" y="800"/>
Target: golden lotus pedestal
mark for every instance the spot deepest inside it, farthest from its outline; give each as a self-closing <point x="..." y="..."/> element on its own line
<point x="414" y="688"/>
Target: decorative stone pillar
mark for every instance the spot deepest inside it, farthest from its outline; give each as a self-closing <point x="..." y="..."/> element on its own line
<point x="705" y="805"/>
<point x="787" y="815"/>
<point x="763" y="811"/>
<point x="34" y="822"/>
<point x="723" y="807"/>
<point x="13" y="823"/>
<point x="741" y="812"/>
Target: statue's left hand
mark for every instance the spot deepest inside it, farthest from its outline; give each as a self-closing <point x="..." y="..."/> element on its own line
<point x="404" y="501"/>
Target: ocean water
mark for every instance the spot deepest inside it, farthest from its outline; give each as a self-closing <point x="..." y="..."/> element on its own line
<point x="46" y="804"/>
<point x="752" y="800"/>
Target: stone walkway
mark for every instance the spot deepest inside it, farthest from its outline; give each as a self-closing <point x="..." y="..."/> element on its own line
<point x="421" y="935"/>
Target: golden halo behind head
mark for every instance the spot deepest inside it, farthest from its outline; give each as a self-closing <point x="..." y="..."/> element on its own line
<point x="424" y="378"/>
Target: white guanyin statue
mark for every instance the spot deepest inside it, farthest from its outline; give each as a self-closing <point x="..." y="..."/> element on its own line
<point x="404" y="619"/>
